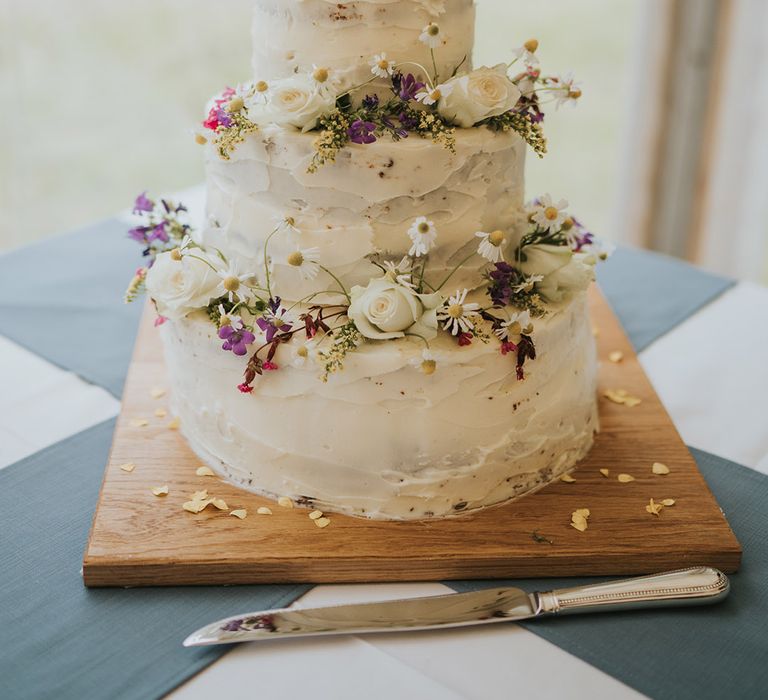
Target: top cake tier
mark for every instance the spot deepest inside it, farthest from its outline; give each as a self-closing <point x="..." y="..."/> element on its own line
<point x="290" y="36"/>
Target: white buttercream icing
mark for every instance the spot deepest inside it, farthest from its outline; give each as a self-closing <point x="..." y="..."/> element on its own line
<point x="363" y="203"/>
<point x="381" y="439"/>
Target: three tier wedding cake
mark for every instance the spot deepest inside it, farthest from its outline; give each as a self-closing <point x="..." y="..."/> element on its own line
<point x="371" y="320"/>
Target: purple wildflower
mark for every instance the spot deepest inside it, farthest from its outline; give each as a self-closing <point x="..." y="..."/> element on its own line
<point x="361" y="131"/>
<point x="502" y="279"/>
<point x="397" y="131"/>
<point x="408" y="121"/>
<point x="371" y="102"/>
<point x="233" y="626"/>
<point x="143" y="203"/>
<point x="273" y="320"/>
<point x="159" y="233"/>
<point x="236" y="339"/>
<point x="408" y="87"/>
<point x="138" y="234"/>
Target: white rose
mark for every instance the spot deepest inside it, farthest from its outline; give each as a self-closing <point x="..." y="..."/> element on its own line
<point x="179" y="287"/>
<point x="296" y="101"/>
<point x="385" y="309"/>
<point x="564" y="271"/>
<point x="483" y="93"/>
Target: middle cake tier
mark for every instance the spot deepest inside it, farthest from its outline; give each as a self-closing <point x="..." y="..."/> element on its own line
<point x="362" y="204"/>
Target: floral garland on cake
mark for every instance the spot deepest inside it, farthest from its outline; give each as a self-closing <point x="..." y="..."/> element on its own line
<point x="501" y="98"/>
<point x="553" y="260"/>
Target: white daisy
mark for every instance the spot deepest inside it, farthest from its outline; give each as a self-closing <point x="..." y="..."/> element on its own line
<point x="306" y="261"/>
<point x="423" y="235"/>
<point x="425" y="362"/>
<point x="304" y="352"/>
<point x="430" y="35"/>
<point x="226" y="319"/>
<point x="400" y="272"/>
<point x="429" y="96"/>
<point x="548" y="215"/>
<point x="517" y="325"/>
<point x="320" y="74"/>
<point x="527" y="285"/>
<point x="457" y="315"/>
<point x="565" y="90"/>
<point x="491" y="245"/>
<point x="526" y="53"/>
<point x="233" y="279"/>
<point x="381" y="66"/>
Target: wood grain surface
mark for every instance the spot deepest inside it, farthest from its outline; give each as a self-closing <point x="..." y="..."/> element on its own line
<point x="139" y="539"/>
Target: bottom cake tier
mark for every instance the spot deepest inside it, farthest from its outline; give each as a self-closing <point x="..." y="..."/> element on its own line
<point x="381" y="439"/>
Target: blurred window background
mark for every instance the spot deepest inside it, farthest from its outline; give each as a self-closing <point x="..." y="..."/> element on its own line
<point x="665" y="150"/>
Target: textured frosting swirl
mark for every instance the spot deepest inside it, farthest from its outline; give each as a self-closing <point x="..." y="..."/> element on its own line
<point x="382" y="440"/>
<point x="363" y="203"/>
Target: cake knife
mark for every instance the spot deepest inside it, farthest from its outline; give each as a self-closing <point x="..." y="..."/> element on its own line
<point x="694" y="586"/>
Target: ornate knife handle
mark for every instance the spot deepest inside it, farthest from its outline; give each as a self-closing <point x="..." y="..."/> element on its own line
<point x="699" y="585"/>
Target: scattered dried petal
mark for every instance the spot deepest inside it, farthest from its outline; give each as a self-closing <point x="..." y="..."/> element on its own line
<point x="659" y="468"/>
<point x="322" y="522"/>
<point x="625" y="478"/>
<point x="579" y="519"/>
<point x="161" y="412"/>
<point x="239" y="513"/>
<point x="616" y="356"/>
<point x="160" y="490"/>
<point x="605" y="472"/>
<point x="315" y="514"/>
<point x="621" y="396"/>
<point x="139" y="422"/>
<point x="199" y="495"/>
<point x="654" y="508"/>
<point x="157" y="392"/>
<point x="128" y="467"/>
<point x="205" y="471"/>
<point x="195" y="506"/>
<point x="668" y="502"/>
<point x="263" y="510"/>
<point x="285" y="502"/>
<point x="567" y="478"/>
<point x="174" y="423"/>
<point x="582" y="511"/>
<point x="219" y="503"/>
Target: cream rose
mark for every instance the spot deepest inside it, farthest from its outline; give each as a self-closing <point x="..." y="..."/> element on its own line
<point x="564" y="271"/>
<point x="385" y="309"/>
<point x="483" y="93"/>
<point x="179" y="287"/>
<point x="296" y="101"/>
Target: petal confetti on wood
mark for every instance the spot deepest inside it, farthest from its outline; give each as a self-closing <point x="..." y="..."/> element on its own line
<point x="161" y="412"/>
<point x="616" y="356"/>
<point x="621" y="396"/>
<point x="579" y="519"/>
<point x="157" y="392"/>
<point x="605" y="472"/>
<point x="654" y="508"/>
<point x="219" y="503"/>
<point x="199" y="495"/>
<point x="625" y="478"/>
<point x="659" y="468"/>
<point x="239" y="513"/>
<point x="285" y="502"/>
<point x="139" y="422"/>
<point x="668" y="502"/>
<point x="322" y="522"/>
<point x="160" y="490"/>
<point x="205" y="471"/>
<point x="195" y="506"/>
<point x="174" y="423"/>
<point x="263" y="510"/>
<point x="567" y="478"/>
<point x="315" y="514"/>
<point x="128" y="467"/>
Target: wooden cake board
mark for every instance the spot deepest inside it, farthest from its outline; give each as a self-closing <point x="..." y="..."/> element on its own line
<point x="139" y="539"/>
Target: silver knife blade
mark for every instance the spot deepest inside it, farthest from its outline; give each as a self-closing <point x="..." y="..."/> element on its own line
<point x="431" y="612"/>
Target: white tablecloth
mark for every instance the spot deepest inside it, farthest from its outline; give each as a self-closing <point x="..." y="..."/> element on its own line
<point x="710" y="373"/>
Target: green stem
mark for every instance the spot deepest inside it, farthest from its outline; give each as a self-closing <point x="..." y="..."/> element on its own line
<point x="421" y="337"/>
<point x="434" y="64"/>
<point x="452" y="272"/>
<point x="337" y="280"/>
<point x="266" y="260"/>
